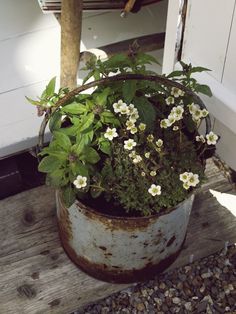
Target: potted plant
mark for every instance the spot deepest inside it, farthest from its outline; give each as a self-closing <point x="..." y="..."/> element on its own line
<point x="125" y="160"/>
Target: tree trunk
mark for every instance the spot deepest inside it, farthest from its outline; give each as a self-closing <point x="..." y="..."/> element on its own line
<point x="71" y="25"/>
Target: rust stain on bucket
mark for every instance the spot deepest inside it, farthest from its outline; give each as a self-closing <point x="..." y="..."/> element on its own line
<point x="122" y="249"/>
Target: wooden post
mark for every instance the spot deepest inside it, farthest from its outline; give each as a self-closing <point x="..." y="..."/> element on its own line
<point x="71" y="25"/>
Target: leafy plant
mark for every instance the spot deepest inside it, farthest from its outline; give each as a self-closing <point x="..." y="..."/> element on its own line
<point x="133" y="142"/>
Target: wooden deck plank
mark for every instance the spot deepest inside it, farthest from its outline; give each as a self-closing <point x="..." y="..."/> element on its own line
<point x="37" y="277"/>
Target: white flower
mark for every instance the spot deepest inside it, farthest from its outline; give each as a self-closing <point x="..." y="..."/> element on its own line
<point x="147" y="155"/>
<point x="154" y="190"/>
<point x="110" y="133"/>
<point x="134" y="115"/>
<point x="197" y="114"/>
<point x="177" y="112"/>
<point x="150" y="138"/>
<point x="80" y="182"/>
<point x="211" y="138"/>
<point x="189" y="179"/>
<point x="204" y="113"/>
<point x="133" y="130"/>
<point x="124" y="109"/>
<point x="171" y="118"/>
<point x="131" y="107"/>
<point x="129" y="144"/>
<point x="175" y="128"/>
<point x="200" y="138"/>
<point x="193" y="179"/>
<point x="132" y="154"/>
<point x="170" y="100"/>
<point x="159" y="142"/>
<point x="117" y="105"/>
<point x="129" y="124"/>
<point x="186" y="186"/>
<point x="192" y="108"/>
<point x="165" y="123"/>
<point x="143" y="174"/>
<point x="176" y="92"/>
<point x="137" y="159"/>
<point x="153" y="173"/>
<point x="142" y="126"/>
<point x="184" y="177"/>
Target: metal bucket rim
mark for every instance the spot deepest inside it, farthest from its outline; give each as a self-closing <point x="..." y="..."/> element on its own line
<point x="94" y="212"/>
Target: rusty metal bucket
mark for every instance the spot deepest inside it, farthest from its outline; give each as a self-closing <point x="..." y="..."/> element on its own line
<point x="122" y="249"/>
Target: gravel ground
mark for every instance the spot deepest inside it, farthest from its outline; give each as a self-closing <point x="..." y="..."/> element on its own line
<point x="205" y="286"/>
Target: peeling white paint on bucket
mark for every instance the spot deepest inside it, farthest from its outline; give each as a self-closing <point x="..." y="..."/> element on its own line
<point x="122" y="249"/>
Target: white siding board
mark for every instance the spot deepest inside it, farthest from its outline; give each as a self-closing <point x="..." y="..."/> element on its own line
<point x="30" y="58"/>
<point x="229" y="77"/>
<point x="22" y="16"/>
<point x="206" y="34"/>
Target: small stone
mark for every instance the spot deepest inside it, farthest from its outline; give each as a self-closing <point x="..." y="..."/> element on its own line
<point x="206" y="275"/>
<point x="214" y="290"/>
<point x="176" y="300"/>
<point x="188" y="306"/>
<point x="202" y="289"/>
<point x="202" y="306"/>
<point x="182" y="277"/>
<point x="140" y="307"/>
<point x="225" y="270"/>
<point x="231" y="287"/>
<point x="162" y="286"/>
<point x="208" y="299"/>
<point x="158" y="301"/>
<point x="105" y="310"/>
<point x="218" y="308"/>
<point x="164" y="308"/>
<point x="187" y="269"/>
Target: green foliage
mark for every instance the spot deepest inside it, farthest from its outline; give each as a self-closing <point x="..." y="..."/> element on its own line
<point x="89" y="133"/>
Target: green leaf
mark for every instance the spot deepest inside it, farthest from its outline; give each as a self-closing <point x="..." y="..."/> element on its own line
<point x="57" y="178"/>
<point x="87" y="77"/>
<point x="78" y="168"/>
<point x="105" y="147"/>
<point x="117" y="60"/>
<point x="86" y="121"/>
<point x="90" y="155"/>
<point x="33" y="102"/>
<point x="50" y="88"/>
<point x="68" y="195"/>
<point x="89" y="104"/>
<point x="108" y="117"/>
<point x="55" y="152"/>
<point x="175" y="73"/>
<point x="49" y="164"/>
<point x="143" y="58"/>
<point x="55" y="121"/>
<point x="62" y="140"/>
<point x="95" y="192"/>
<point x="199" y="69"/>
<point x="204" y="89"/>
<point x="101" y="98"/>
<point x="74" y="108"/>
<point x="147" y="112"/>
<point x="129" y="90"/>
<point x="70" y="131"/>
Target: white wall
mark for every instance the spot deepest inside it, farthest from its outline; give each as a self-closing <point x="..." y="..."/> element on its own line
<point x="30" y="56"/>
<point x="210" y="41"/>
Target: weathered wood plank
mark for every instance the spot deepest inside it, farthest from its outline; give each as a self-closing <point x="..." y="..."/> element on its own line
<point x="37" y="277"/>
